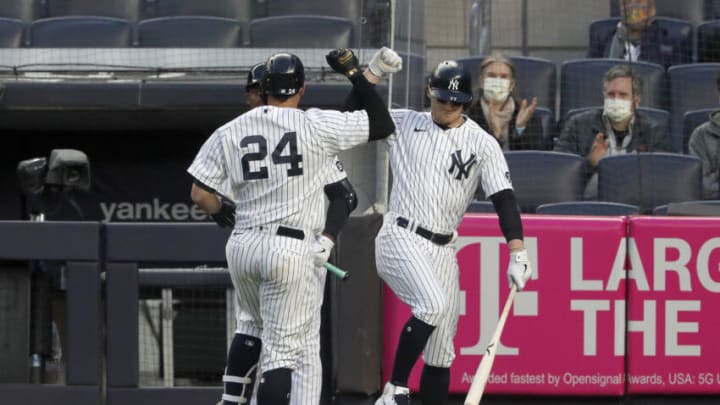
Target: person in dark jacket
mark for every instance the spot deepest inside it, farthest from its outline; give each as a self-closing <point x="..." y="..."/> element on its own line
<point x="705" y="144"/>
<point x="512" y="122"/>
<point x="618" y="128"/>
<point x="639" y="37"/>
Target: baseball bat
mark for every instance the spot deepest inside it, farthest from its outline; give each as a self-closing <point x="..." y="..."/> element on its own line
<point x="483" y="371"/>
<point x="337" y="271"/>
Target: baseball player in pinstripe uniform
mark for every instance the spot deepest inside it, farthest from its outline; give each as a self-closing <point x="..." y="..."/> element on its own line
<point x="437" y="158"/>
<point x="307" y="378"/>
<point x="275" y="158"/>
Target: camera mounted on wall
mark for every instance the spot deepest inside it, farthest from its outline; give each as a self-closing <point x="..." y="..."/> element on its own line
<point x="46" y="182"/>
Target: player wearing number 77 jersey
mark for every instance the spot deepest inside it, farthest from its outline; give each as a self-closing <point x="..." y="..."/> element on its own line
<point x="438" y="159"/>
<point x="275" y="159"/>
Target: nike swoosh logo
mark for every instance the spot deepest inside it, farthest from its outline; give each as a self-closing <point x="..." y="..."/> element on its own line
<point x="420" y="129"/>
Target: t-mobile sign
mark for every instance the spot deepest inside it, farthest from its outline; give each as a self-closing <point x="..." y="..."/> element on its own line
<point x="566" y="332"/>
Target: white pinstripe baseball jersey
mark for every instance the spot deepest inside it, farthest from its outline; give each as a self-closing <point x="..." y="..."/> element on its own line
<point x="436" y="171"/>
<point x="276" y="160"/>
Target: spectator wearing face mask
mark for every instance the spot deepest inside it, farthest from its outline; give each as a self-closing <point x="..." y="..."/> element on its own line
<point x="513" y="123"/>
<point x="639" y="37"/>
<point x="618" y="128"/>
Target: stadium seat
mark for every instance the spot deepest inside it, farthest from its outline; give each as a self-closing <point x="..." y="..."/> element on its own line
<point x="680" y="31"/>
<point x="536" y="77"/>
<point x="26" y="10"/>
<point x="692" y="87"/>
<point x="587" y="208"/>
<point x="541" y="177"/>
<point x="481" y="206"/>
<point x="128" y="9"/>
<point x="661" y="116"/>
<point x="549" y="126"/>
<point x="11" y="32"/>
<point x="235" y="9"/>
<point x="693" y="119"/>
<point x="649" y="179"/>
<point x="350" y="9"/>
<point x="80" y="32"/>
<point x="686" y="208"/>
<point x="189" y="32"/>
<point x="581" y="83"/>
<point x="708" y="41"/>
<point x="301" y="31"/>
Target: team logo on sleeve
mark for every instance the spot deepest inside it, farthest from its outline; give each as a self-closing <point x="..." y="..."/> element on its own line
<point x="460" y="167"/>
<point x="339" y="165"/>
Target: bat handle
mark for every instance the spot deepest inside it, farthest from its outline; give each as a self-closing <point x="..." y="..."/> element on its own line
<point x="344" y="275"/>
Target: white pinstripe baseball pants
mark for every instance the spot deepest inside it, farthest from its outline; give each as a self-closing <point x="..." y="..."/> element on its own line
<point x="424" y="276"/>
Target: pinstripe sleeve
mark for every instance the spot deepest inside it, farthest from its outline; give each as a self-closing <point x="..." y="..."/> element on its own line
<point x="209" y="166"/>
<point x="339" y="130"/>
<point x="494" y="174"/>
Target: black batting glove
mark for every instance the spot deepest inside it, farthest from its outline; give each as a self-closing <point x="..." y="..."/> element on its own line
<point x="225" y="218"/>
<point x="343" y="60"/>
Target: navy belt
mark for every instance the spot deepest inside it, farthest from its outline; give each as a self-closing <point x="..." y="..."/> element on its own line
<point x="290" y="232"/>
<point x="436" y="238"/>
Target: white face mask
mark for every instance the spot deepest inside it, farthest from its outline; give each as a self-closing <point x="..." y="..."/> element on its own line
<point x="496" y="89"/>
<point x="618" y="110"/>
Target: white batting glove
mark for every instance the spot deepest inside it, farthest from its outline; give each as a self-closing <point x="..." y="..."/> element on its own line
<point x="321" y="248"/>
<point x="385" y="61"/>
<point x="519" y="269"/>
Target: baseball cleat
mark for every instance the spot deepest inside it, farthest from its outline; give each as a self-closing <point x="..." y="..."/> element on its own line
<point x="394" y="395"/>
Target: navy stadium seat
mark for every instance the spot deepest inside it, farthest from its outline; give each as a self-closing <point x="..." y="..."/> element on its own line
<point x="587" y="208"/>
<point x="692" y="87"/>
<point x="680" y="32"/>
<point x="350" y="9"/>
<point x="236" y="9"/>
<point x="128" y="9"/>
<point x="536" y="78"/>
<point x="26" y="10"/>
<point x="549" y="126"/>
<point x="481" y="206"/>
<point x="189" y="32"/>
<point x="649" y="179"/>
<point x="693" y="119"/>
<point x="696" y="207"/>
<point x="11" y="32"/>
<point x="540" y="177"/>
<point x="80" y="32"/>
<point x="708" y="41"/>
<point x="301" y="31"/>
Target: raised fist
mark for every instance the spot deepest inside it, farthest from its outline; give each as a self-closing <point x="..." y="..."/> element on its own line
<point x="385" y="61"/>
<point x="343" y="61"/>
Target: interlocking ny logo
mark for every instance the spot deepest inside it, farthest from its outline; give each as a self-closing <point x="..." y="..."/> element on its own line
<point x="453" y="85"/>
<point x="463" y="168"/>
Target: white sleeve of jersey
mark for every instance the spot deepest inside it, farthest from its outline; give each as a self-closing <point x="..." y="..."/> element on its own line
<point x="335" y="172"/>
<point x="494" y="172"/>
<point x="209" y="166"/>
<point x="337" y="130"/>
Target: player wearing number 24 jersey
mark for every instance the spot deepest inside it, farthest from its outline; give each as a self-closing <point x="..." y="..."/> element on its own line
<point x="437" y="159"/>
<point x="275" y="158"/>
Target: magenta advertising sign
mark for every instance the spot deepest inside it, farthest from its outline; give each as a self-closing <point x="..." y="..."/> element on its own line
<point x="674" y="305"/>
<point x="565" y="333"/>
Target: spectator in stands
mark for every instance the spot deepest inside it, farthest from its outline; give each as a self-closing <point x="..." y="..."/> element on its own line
<point x="705" y="144"/>
<point x="639" y="37"/>
<point x="617" y="128"/>
<point x="513" y="123"/>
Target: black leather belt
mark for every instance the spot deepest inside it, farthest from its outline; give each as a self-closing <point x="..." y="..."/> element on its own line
<point x="436" y="238"/>
<point x="290" y="232"/>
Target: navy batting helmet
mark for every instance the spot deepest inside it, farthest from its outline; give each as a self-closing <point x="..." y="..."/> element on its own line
<point x="450" y="82"/>
<point x="255" y="76"/>
<point x="285" y="75"/>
